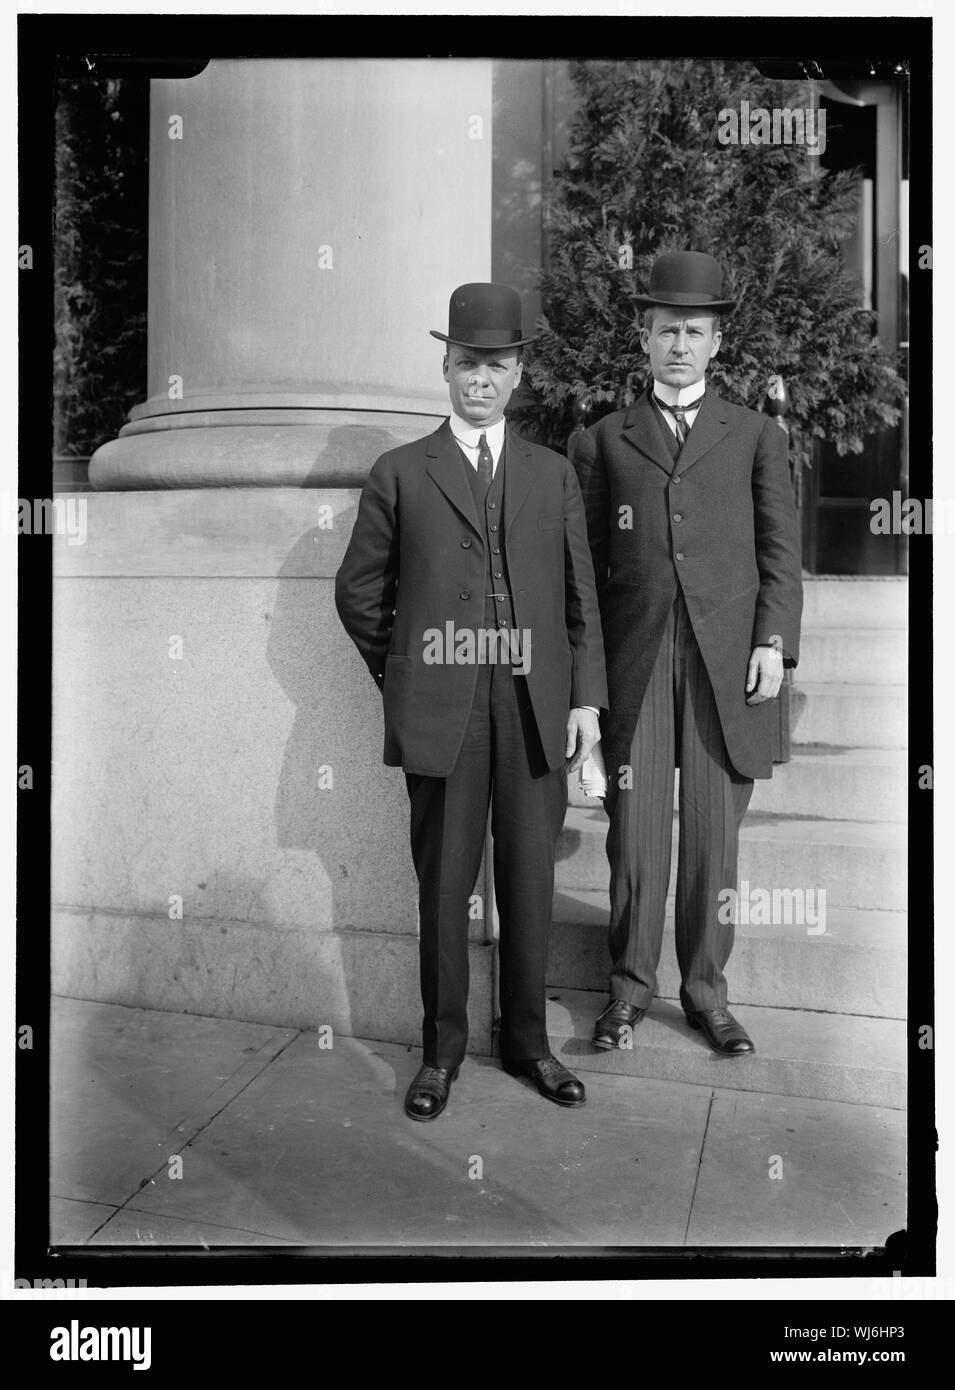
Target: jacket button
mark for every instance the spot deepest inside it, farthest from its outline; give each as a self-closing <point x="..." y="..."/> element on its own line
<point x="465" y="544"/>
<point x="498" y="575"/>
<point x="465" y="593"/>
<point x="491" y="506"/>
<point x="493" y="528"/>
<point x="677" y="516"/>
<point x="680" y="555"/>
<point x="676" y="478"/>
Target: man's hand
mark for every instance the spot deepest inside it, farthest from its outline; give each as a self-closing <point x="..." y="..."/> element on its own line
<point x="764" y="675"/>
<point x="583" y="731"/>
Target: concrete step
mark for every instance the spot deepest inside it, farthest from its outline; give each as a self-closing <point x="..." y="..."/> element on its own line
<point x="852" y="784"/>
<point x="875" y="602"/>
<point x="859" y="865"/>
<point x="848" y="715"/>
<point x="877" y="656"/>
<point x="798" y="1053"/>
<point x="856" y="966"/>
<point x="863" y="784"/>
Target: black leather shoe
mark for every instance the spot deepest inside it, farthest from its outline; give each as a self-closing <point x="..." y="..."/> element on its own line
<point x="551" y="1078"/>
<point x="616" y="1017"/>
<point x="428" y="1093"/>
<point x="721" y="1031"/>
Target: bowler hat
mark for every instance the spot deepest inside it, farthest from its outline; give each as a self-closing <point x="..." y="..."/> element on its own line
<point x="688" y="280"/>
<point x="484" y="316"/>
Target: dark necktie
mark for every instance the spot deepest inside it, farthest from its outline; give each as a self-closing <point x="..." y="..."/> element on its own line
<point x="679" y="415"/>
<point x="485" y="464"/>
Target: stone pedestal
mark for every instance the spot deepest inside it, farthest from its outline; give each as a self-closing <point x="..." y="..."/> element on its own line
<point x="226" y="840"/>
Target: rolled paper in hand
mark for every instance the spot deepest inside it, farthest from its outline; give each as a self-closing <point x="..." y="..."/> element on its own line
<point x="593" y="773"/>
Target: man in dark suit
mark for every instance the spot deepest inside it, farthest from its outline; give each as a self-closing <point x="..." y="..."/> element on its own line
<point x="693" y="532"/>
<point x="468" y="588"/>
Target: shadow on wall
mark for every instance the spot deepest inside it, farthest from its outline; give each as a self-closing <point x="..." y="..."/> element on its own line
<point x="334" y="796"/>
<point x="350" y="451"/>
<point x="336" y="800"/>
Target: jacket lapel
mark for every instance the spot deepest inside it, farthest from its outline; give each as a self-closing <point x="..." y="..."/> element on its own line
<point x="446" y="466"/>
<point x="642" y="429"/>
<point x="517" y="475"/>
<point x="709" y="427"/>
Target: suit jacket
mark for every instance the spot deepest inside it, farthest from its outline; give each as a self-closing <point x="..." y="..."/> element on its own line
<point x="720" y="524"/>
<point x="416" y="561"/>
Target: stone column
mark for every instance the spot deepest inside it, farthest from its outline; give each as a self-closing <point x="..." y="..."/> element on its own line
<point x="308" y="220"/>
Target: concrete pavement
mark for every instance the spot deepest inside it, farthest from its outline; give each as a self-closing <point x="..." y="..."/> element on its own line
<point x="174" y="1129"/>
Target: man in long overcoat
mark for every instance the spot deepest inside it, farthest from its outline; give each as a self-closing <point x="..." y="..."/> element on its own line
<point x="468" y="588"/>
<point x="693" y="533"/>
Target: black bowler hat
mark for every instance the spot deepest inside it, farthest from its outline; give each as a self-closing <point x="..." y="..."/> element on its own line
<point x="484" y="316"/>
<point x="688" y="280"/>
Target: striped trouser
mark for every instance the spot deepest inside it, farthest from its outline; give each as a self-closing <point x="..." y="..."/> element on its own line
<point x="678" y="725"/>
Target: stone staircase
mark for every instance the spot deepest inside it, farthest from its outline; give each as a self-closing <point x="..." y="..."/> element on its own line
<point x="825" y="1009"/>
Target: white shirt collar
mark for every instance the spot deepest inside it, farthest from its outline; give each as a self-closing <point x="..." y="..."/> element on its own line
<point x="678" y="395"/>
<point x="470" y="435"/>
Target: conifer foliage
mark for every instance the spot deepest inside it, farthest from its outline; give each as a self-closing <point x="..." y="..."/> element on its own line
<point x="647" y="173"/>
<point x="100" y="259"/>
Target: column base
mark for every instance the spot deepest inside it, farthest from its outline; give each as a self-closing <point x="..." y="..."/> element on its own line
<point x="254" y="448"/>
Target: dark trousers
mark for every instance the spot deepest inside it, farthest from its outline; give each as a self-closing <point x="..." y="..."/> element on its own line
<point x="501" y="765"/>
<point x="678" y="719"/>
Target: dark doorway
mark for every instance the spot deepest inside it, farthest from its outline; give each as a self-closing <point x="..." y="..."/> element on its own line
<point x="870" y="139"/>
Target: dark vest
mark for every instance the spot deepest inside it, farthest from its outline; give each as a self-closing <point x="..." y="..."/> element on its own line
<point x="498" y="611"/>
<point x="669" y="438"/>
